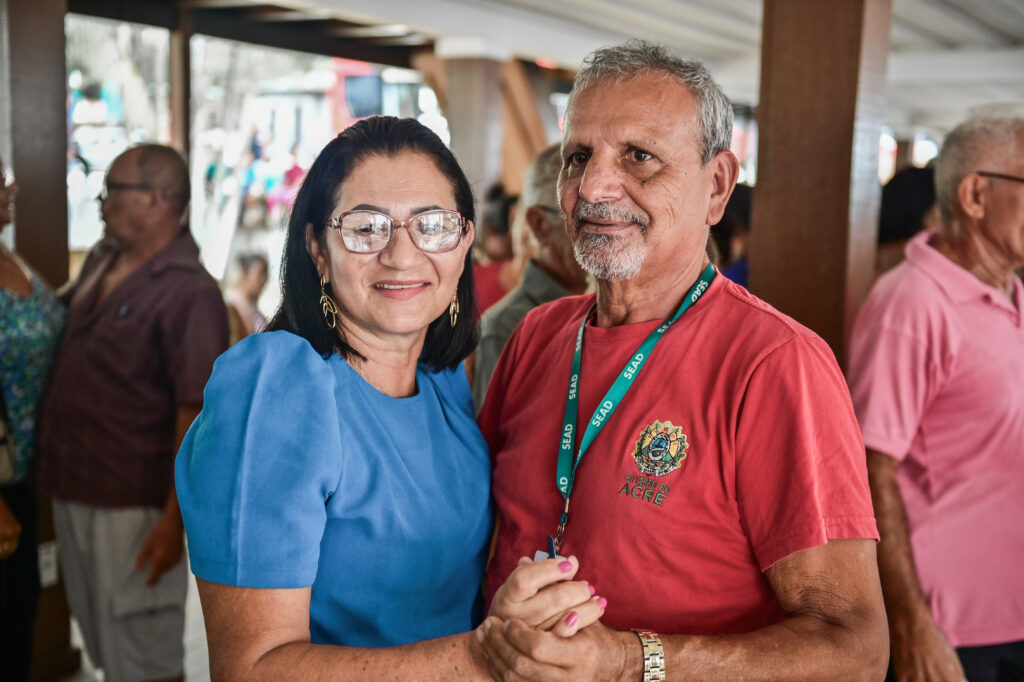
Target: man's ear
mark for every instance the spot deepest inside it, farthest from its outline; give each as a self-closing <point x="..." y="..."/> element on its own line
<point x="536" y="220"/>
<point x="970" y="194"/>
<point x="725" y="169"/>
<point x="318" y="252"/>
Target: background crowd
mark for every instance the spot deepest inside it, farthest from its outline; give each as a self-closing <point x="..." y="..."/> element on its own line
<point x="103" y="380"/>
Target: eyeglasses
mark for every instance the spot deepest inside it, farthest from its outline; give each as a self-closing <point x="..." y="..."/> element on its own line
<point x="1000" y="176"/>
<point x="110" y="186"/>
<point x="436" y="231"/>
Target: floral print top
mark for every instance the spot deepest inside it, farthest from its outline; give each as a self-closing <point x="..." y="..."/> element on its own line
<point x="30" y="329"/>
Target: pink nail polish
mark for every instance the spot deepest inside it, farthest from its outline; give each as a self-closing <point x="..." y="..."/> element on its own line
<point x="571" y="619"/>
<point x="602" y="602"/>
<point x="592" y="590"/>
<point x="565" y="566"/>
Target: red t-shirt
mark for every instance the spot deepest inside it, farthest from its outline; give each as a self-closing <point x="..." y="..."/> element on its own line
<point x="487" y="280"/>
<point x="744" y="421"/>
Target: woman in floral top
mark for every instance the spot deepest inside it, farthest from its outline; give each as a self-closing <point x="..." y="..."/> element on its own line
<point x="31" y="320"/>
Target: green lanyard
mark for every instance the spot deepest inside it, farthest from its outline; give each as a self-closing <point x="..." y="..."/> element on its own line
<point x="566" y="467"/>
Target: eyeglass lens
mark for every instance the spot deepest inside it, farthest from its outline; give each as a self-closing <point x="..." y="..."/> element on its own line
<point x="432" y="231"/>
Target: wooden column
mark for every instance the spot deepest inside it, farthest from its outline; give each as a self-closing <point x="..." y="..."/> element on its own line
<point x="180" y="56"/>
<point x="475" y="119"/>
<point x="816" y="203"/>
<point x="524" y="132"/>
<point x="35" y="130"/>
<point x="33" y="140"/>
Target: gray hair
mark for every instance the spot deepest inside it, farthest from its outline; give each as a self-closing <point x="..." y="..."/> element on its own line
<point x="539" y="183"/>
<point x="974" y="145"/>
<point x="636" y="57"/>
<point x="540" y="187"/>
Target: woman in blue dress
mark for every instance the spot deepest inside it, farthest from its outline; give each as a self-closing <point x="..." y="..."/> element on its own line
<point x="335" y="489"/>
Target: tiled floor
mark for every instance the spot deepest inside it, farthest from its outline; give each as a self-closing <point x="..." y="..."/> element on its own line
<point x="196" y="659"/>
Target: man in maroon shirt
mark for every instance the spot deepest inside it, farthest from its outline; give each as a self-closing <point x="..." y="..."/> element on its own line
<point x="145" y="323"/>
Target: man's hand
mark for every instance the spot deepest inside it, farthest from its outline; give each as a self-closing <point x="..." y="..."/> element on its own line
<point x="920" y="652"/>
<point x="163" y="547"/>
<point x="543" y="595"/>
<point x="515" y="651"/>
<point x="10" y="531"/>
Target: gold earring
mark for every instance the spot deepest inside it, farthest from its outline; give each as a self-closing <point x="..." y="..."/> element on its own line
<point x="453" y="309"/>
<point x="327" y="306"/>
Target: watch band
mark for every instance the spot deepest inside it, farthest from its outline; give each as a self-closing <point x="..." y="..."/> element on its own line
<point x="654" y="656"/>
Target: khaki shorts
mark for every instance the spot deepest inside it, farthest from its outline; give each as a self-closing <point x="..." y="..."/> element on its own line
<point x="132" y="632"/>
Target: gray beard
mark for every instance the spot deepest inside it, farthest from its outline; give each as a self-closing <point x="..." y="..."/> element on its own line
<point x="608" y="257"/>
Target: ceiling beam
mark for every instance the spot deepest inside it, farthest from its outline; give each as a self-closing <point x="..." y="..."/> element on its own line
<point x="956" y="67"/>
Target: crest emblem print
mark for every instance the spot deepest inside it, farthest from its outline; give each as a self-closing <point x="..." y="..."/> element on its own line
<point x="661" y="448"/>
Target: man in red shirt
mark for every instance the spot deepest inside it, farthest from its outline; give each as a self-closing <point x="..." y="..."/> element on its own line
<point x="708" y="471"/>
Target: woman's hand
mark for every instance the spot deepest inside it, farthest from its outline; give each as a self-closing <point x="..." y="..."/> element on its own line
<point x="544" y="596"/>
<point x="10" y="531"/>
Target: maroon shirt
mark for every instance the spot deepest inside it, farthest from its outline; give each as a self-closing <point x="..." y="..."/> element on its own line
<point x="106" y="427"/>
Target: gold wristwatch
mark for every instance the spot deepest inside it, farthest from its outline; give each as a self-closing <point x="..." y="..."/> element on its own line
<point x="654" y="656"/>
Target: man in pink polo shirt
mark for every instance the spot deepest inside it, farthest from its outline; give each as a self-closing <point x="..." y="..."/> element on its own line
<point x="937" y="377"/>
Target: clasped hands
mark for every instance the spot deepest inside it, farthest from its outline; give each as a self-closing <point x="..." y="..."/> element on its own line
<point x="543" y="625"/>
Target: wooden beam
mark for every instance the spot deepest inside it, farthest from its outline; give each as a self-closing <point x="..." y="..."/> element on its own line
<point x="234" y="20"/>
<point x="815" y="208"/>
<point x="435" y="74"/>
<point x="292" y="36"/>
<point x="524" y="134"/>
<point x="180" y="56"/>
<point x="150" y="12"/>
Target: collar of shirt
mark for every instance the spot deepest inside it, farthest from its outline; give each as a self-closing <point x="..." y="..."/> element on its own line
<point x="539" y="285"/>
<point x="182" y="252"/>
<point x="958" y="284"/>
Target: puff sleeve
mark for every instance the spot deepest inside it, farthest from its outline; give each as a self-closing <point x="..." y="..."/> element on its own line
<point x="259" y="464"/>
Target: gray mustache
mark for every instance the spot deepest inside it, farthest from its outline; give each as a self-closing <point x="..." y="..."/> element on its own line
<point x="585" y="209"/>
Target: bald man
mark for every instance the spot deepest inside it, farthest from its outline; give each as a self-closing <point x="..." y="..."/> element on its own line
<point x="145" y="323"/>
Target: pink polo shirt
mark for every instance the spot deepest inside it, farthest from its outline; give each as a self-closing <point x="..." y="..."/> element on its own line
<point x="937" y="378"/>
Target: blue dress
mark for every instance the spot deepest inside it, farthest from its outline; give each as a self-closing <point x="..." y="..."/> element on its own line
<point x="299" y="473"/>
<point x="30" y="329"/>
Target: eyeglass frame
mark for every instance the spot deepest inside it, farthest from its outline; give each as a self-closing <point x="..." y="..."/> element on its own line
<point x="335" y="224"/>
<point x="109" y="186"/>
<point x="999" y="176"/>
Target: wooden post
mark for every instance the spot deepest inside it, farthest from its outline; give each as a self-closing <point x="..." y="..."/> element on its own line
<point x="475" y="119"/>
<point x="33" y="141"/>
<point x="35" y="130"/>
<point x="815" y="207"/>
<point x="525" y="136"/>
<point x="180" y="56"/>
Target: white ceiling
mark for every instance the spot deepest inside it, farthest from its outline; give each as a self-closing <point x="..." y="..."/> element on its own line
<point x="948" y="57"/>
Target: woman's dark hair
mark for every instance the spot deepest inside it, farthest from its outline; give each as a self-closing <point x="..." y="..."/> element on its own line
<point x="906" y="199"/>
<point x="300" y="311"/>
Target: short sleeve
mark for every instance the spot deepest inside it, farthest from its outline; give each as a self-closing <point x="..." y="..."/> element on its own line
<point x="489" y="414"/>
<point x="487" y="352"/>
<point x="800" y="467"/>
<point x="256" y="469"/>
<point x="892" y="374"/>
<point x="193" y="332"/>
